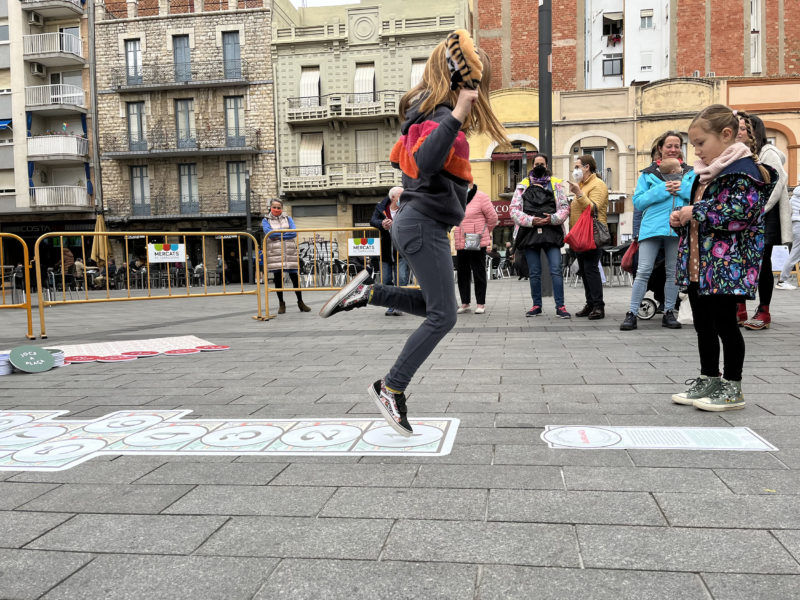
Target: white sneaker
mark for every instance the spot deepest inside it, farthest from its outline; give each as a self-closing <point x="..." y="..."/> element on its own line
<point x="463" y="308"/>
<point x="480" y="310"/>
<point x="785" y="285"/>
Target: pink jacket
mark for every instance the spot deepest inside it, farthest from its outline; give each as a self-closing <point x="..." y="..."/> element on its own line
<point x="480" y="216"/>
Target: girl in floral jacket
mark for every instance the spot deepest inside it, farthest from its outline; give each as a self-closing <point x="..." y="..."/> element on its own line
<point x="720" y="250"/>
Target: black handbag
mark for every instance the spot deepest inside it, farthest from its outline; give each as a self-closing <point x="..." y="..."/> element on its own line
<point x="602" y="236"/>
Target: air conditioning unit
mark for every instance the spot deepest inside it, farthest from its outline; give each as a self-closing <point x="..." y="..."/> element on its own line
<point x="711" y="74"/>
<point x="37" y="69"/>
<point x="696" y="74"/>
<point x="35" y="18"/>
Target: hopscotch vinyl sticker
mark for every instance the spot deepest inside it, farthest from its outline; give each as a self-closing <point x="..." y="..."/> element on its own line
<point x="655" y="438"/>
<point x="35" y="441"/>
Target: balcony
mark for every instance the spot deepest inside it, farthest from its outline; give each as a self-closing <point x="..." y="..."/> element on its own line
<point x="343" y="107"/>
<point x="54" y="9"/>
<point x="214" y="73"/>
<point x="53" y="49"/>
<point x="311" y="33"/>
<point x="211" y="205"/>
<point x="58" y="149"/>
<point x="58" y="99"/>
<point x="162" y="144"/>
<point x="354" y="178"/>
<point x="60" y="196"/>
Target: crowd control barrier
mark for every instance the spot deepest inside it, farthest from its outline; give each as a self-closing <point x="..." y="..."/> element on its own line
<point x="15" y="279"/>
<point x="151" y="266"/>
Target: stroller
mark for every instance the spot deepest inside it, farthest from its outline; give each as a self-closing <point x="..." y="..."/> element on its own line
<point x="650" y="307"/>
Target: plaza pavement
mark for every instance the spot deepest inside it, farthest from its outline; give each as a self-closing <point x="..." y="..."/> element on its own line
<point x="502" y="516"/>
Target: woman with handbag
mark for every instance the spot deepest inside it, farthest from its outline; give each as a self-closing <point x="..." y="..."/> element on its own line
<point x="539" y="208"/>
<point x="657" y="195"/>
<point x="472" y="237"/>
<point x="589" y="191"/>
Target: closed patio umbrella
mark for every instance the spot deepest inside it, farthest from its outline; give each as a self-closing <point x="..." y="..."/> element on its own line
<point x="101" y="252"/>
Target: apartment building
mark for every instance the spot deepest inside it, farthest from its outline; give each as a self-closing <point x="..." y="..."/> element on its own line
<point x="340" y="72"/>
<point x="185" y="104"/>
<point x="46" y="174"/>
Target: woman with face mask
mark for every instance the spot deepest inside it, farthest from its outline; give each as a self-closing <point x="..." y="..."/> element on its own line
<point x="589" y="190"/>
<point x="282" y="255"/>
<point x="539" y="209"/>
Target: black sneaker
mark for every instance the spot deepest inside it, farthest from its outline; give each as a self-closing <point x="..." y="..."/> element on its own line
<point x="669" y="320"/>
<point x="629" y="323"/>
<point x="561" y="312"/>
<point x="660" y="308"/>
<point x="392" y="407"/>
<point x="585" y="311"/>
<point x="354" y="295"/>
<point x="598" y="312"/>
<point x="535" y="311"/>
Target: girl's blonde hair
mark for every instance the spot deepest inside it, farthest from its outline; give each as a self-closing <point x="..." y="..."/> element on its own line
<point x="434" y="89"/>
<point x="715" y="118"/>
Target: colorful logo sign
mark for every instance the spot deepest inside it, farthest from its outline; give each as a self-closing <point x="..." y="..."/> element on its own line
<point x="364" y="246"/>
<point x="166" y="253"/>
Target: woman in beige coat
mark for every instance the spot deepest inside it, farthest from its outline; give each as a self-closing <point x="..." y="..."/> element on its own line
<point x="282" y="252"/>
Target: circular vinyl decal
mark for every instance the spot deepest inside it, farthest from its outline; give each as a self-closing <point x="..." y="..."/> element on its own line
<point x="166" y="436"/>
<point x="388" y="438"/>
<point x="575" y="436"/>
<point x="213" y="348"/>
<point x="115" y="358"/>
<point x="63" y="450"/>
<point x="123" y="424"/>
<point x="325" y="434"/>
<point x="141" y="353"/>
<point x="243" y="435"/>
<point x="14" y="438"/>
<point x="181" y="352"/>
<point x="9" y="421"/>
<point x="81" y="359"/>
<point x="31" y="359"/>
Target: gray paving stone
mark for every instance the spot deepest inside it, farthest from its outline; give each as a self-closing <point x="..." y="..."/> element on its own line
<point x="252" y="500"/>
<point x="130" y="534"/>
<point x="459" y="455"/>
<point x="538" y="421"/>
<point x="489" y="476"/>
<point x="545" y="506"/>
<point x="407" y="503"/>
<point x="27" y="574"/>
<point x="727" y="510"/>
<point x="215" y="473"/>
<point x="17" y="528"/>
<point x="503" y="583"/>
<point x="297" y="537"/>
<point x="489" y="543"/>
<point x="488" y="435"/>
<point x="173" y="577"/>
<point x="14" y="494"/>
<point x="705" y="459"/>
<point x="94" y="471"/>
<point x="301" y="579"/>
<point x="679" y="549"/>
<point x="761" y="481"/>
<point x="791" y="540"/>
<point x="642" y="479"/>
<point x="347" y="475"/>
<point x="748" y="587"/>
<point x="138" y="499"/>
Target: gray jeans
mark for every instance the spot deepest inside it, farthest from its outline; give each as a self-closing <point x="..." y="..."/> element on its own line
<point x="423" y="242"/>
<point x="794" y="255"/>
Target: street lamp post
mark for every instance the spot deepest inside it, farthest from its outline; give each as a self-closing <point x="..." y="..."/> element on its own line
<point x="546" y="77"/>
<point x="248" y="225"/>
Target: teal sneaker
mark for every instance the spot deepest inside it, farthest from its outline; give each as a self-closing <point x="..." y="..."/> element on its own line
<point x="727" y="396"/>
<point x="699" y="387"/>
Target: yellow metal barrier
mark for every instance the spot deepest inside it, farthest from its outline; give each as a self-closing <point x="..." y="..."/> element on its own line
<point x="9" y="278"/>
<point x="323" y="259"/>
<point x="178" y="283"/>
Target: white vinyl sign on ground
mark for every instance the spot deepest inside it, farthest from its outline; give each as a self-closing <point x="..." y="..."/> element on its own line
<point x="33" y="441"/>
<point x="649" y="438"/>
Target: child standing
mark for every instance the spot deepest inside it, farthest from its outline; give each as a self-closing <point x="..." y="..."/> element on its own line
<point x="434" y="156"/>
<point x="720" y="251"/>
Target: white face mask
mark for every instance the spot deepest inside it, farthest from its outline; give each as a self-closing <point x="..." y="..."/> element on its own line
<point x="577" y="174"/>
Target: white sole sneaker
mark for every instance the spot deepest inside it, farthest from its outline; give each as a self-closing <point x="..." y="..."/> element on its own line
<point x="386" y="413"/>
<point x="328" y="307"/>
<point x="480" y="311"/>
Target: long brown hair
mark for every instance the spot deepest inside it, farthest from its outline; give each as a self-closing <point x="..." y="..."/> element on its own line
<point x="434" y="89"/>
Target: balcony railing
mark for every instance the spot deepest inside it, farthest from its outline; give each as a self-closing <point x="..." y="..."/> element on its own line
<point x="340" y="176"/>
<point x="237" y="203"/>
<point x="169" y="74"/>
<point x="57" y="146"/>
<point x="51" y="43"/>
<point x="190" y="206"/>
<point x="343" y="106"/>
<point x="58" y="94"/>
<point x="59" y="196"/>
<point x="158" y="141"/>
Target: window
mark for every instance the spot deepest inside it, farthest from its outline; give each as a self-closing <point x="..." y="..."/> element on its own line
<point x="140" y="191"/>
<point x="310" y="158"/>
<point x="755" y="36"/>
<point x="237" y="172"/>
<point x="67" y="88"/>
<point x="186" y="136"/>
<point x="3" y="33"/>
<point x="364" y="84"/>
<point x="309" y="86"/>
<point x="133" y="61"/>
<point x="70" y="40"/>
<point x="417" y="70"/>
<point x="612" y="65"/>
<point x="182" y="58"/>
<point x="231" y="55"/>
<point x="598" y="154"/>
<point x="367" y="147"/>
<point x="646" y="16"/>
<point x="137" y="140"/>
<point x="187" y="184"/>
<point x="612" y="23"/>
<point x="234" y="121"/>
<point x="647" y="61"/>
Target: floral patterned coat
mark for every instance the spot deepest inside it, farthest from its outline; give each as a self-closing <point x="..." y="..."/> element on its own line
<point x="731" y="232"/>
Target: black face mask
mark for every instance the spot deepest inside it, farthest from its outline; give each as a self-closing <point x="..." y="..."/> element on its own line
<point x="539" y="171"/>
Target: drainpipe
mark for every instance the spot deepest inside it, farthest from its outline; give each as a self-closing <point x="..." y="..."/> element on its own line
<point x="98" y="186"/>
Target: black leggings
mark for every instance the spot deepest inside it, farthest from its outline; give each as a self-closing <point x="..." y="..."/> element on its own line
<point x="766" y="280"/>
<point x="714" y="319"/>
<point x="472" y="262"/>
<point x="277" y="277"/>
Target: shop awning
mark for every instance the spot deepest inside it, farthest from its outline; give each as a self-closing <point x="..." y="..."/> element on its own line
<point x="5" y="124"/>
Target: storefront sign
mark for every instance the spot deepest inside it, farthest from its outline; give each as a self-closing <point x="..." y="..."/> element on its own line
<point x="503" y="210"/>
<point x="166" y="253"/>
<point x="363" y="246"/>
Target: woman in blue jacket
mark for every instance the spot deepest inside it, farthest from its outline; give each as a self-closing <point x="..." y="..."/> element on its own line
<point x="656" y="199"/>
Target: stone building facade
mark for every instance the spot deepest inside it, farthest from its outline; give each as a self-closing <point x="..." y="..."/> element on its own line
<point x="185" y="104"/>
